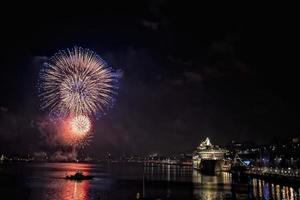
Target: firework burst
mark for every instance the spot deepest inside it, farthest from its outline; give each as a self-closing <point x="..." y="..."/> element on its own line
<point x="80" y="125"/>
<point x="75" y="131"/>
<point x="77" y="82"/>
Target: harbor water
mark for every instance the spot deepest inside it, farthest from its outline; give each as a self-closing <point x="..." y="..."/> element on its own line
<point x="124" y="181"/>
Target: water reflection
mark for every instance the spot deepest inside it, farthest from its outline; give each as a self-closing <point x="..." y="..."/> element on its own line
<point x="59" y="188"/>
<point x="166" y="172"/>
<point x="75" y="189"/>
<point x="209" y="187"/>
<point x="220" y="185"/>
<point x="45" y="181"/>
<point x="264" y="190"/>
<point x="217" y="186"/>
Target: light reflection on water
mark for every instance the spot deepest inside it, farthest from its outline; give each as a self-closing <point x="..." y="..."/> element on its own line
<point x="45" y="181"/>
<point x="65" y="190"/>
<point x="79" y="189"/>
<point x="220" y="185"/>
<point x="264" y="190"/>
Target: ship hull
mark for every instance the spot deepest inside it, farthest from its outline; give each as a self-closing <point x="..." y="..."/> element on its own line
<point x="211" y="166"/>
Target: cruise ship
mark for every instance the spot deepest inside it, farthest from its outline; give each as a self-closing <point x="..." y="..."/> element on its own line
<point x="210" y="158"/>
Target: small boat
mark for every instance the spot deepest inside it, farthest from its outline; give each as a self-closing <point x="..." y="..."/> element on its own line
<point x="78" y="176"/>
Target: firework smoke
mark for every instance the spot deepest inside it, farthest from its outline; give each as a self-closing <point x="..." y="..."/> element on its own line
<point x="59" y="132"/>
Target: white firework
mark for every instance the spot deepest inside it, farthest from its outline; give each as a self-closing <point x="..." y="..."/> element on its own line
<point x="77" y="82"/>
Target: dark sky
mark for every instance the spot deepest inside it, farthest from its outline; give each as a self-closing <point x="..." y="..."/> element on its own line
<point x="188" y="73"/>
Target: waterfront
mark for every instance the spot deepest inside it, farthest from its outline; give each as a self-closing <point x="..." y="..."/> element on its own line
<point x="123" y="181"/>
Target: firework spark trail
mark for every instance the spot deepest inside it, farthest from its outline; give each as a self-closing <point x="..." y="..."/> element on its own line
<point x="77" y="82"/>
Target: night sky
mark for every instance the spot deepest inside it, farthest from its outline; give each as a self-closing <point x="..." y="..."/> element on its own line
<point x="188" y="73"/>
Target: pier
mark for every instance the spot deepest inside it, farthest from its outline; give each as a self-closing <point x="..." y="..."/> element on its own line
<point x="289" y="176"/>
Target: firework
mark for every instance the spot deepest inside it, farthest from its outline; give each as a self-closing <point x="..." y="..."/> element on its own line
<point x="77" y="82"/>
<point x="80" y="125"/>
<point x="75" y="131"/>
